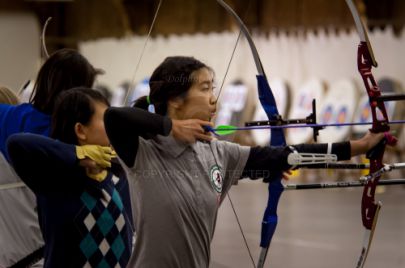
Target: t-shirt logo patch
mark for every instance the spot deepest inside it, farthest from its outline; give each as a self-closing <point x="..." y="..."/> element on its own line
<point x="216" y="178"/>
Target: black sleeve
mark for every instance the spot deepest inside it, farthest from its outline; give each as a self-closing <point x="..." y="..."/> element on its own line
<point x="125" y="125"/>
<point x="267" y="162"/>
<point x="44" y="164"/>
<point x="340" y="149"/>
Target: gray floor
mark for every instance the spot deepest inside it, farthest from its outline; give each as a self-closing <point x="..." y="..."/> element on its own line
<point x="317" y="229"/>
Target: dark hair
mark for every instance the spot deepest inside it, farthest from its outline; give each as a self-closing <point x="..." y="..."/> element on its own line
<point x="74" y="106"/>
<point x="63" y="70"/>
<point x="172" y="78"/>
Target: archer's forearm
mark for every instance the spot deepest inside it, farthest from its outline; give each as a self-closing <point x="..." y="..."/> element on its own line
<point x="125" y="125"/>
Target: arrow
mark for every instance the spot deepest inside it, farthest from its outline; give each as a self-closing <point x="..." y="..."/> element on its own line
<point x="224" y="130"/>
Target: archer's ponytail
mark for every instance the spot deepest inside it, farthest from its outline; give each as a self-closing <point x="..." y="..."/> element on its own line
<point x="142" y="103"/>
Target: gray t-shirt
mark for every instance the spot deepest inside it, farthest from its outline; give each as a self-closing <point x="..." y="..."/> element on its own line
<point x="176" y="190"/>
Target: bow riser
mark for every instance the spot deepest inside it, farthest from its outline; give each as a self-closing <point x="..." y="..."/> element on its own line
<point x="368" y="205"/>
<point x="277" y="138"/>
<point x="365" y="63"/>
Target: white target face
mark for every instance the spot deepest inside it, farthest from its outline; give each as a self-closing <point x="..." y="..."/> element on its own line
<point x="363" y="115"/>
<point x="302" y="107"/>
<point x="233" y="100"/>
<point x="25" y="92"/>
<point x="338" y="107"/>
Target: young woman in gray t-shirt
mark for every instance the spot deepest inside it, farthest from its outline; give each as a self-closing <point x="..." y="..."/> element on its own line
<point x="178" y="174"/>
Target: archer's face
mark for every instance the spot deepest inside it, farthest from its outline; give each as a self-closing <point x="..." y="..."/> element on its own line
<point x="200" y="101"/>
<point x="94" y="132"/>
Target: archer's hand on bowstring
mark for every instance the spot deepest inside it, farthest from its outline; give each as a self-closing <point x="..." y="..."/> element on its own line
<point x="190" y="130"/>
<point x="369" y="141"/>
<point x="95" y="159"/>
